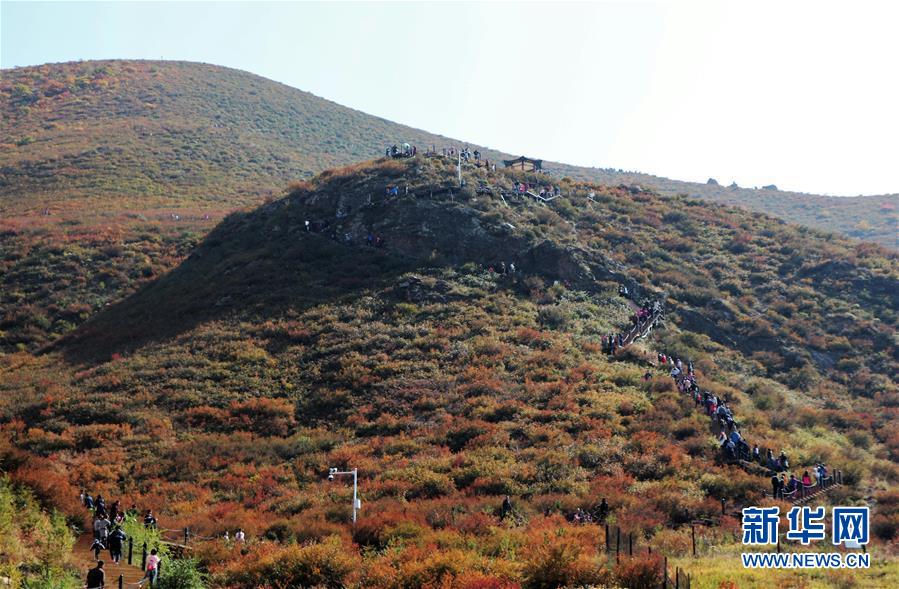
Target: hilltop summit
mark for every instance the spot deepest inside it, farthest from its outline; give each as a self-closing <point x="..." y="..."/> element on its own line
<point x="380" y="219"/>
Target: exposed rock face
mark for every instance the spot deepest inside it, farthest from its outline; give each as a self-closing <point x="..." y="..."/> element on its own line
<point x="770" y="187"/>
<point x="712" y="182"/>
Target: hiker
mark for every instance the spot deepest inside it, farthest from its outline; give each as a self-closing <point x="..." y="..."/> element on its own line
<point x="756" y="457"/>
<point x="89" y="502"/>
<point x="307" y="226"/>
<point x="784" y="463"/>
<point x="512" y="267"/>
<point x="152" y="572"/>
<point x="502" y="266"/>
<point x="506" y="510"/>
<point x="97" y="546"/>
<point x="116" y="542"/>
<point x="775" y="486"/>
<point x="149" y="520"/>
<point x="101" y="528"/>
<point x="240" y="537"/>
<point x="602" y="511"/>
<point x="96" y="577"/>
<point x="101" y="505"/>
<point x="115" y="510"/>
<point x="806" y="479"/>
<point x="794" y="482"/>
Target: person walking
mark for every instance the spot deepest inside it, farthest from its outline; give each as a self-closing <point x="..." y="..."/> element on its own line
<point x="101" y="528"/>
<point x="116" y="543"/>
<point x="152" y="572"/>
<point x="506" y="510"/>
<point x="149" y="520"/>
<point x="97" y="546"/>
<point x="96" y="577"/>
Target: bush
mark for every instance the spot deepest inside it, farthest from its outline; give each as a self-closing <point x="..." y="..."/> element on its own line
<point x="181" y="574"/>
<point x="327" y="564"/>
<point x="639" y="572"/>
<point x="561" y="563"/>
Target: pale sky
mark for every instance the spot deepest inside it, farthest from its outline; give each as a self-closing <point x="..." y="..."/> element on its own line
<point x="800" y="94"/>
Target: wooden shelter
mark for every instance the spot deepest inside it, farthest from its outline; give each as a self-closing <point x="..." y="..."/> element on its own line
<point x="525" y="164"/>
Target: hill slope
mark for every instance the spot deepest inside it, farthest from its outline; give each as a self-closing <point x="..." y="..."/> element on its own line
<point x="220" y="393"/>
<point x="173" y="133"/>
<point x="111" y="172"/>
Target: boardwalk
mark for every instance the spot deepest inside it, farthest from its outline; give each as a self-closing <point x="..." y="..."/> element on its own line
<point x="83" y="558"/>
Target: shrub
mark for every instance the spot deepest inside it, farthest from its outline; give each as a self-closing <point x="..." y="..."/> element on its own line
<point x="181" y="574"/>
<point x="327" y="564"/>
<point x="640" y="572"/>
<point x="560" y="562"/>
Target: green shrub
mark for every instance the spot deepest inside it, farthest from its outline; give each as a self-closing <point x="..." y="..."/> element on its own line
<point x="181" y="574"/>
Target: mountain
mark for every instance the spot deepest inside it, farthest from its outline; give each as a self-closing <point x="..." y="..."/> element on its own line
<point x="112" y="171"/>
<point x="144" y="134"/>
<point x="220" y="393"/>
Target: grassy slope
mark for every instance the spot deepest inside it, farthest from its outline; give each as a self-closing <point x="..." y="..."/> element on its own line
<point x="163" y="131"/>
<point x="137" y="160"/>
<point x="229" y="385"/>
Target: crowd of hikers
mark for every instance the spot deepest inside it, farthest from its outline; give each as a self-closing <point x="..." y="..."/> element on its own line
<point x="404" y="150"/>
<point x="733" y="445"/>
<point x="640" y="320"/>
<point x="545" y="192"/>
<point x="109" y="534"/>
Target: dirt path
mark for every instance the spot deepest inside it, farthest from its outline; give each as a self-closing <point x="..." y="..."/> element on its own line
<point x="83" y="558"/>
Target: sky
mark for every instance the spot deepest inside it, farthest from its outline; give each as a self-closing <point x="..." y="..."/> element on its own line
<point x="799" y="94"/>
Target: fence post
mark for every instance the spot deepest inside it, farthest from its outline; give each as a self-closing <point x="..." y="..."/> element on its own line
<point x="617" y="541"/>
<point x="676" y="577"/>
<point x="608" y="540"/>
<point x="186" y="535"/>
<point x="130" y="549"/>
<point x="723" y="505"/>
<point x="121" y="580"/>
<point x="159" y="569"/>
<point x="630" y="544"/>
<point x="665" y="573"/>
<point x="143" y="558"/>
<point x="693" y="537"/>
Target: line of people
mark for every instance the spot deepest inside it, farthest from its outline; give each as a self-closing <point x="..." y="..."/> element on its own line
<point x="109" y="534"/>
<point x="734" y="446"/>
<point x="640" y="321"/>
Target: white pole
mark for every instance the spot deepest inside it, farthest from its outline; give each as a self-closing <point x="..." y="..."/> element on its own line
<point x="355" y="493"/>
<point x="459" y="167"/>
